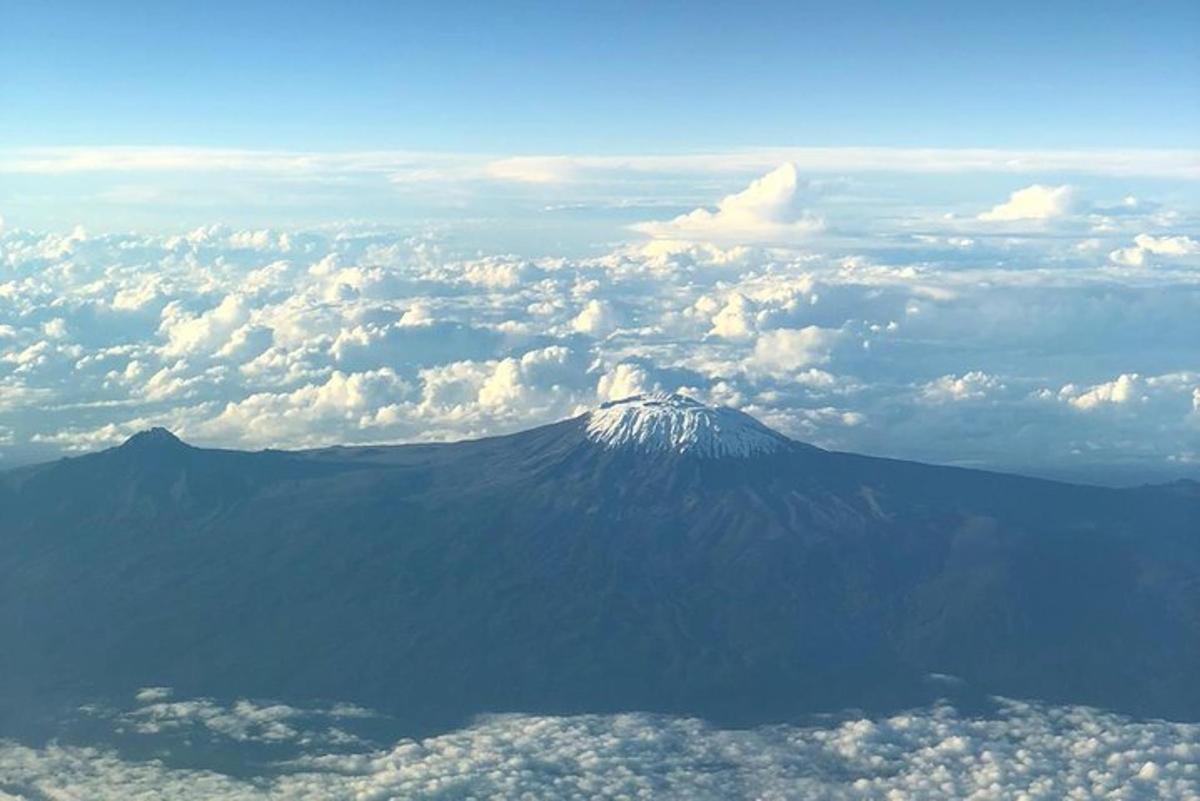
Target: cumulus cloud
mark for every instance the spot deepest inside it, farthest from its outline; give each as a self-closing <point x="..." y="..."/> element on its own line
<point x="241" y="721"/>
<point x="1036" y="202"/>
<point x="769" y="209"/>
<point x="1146" y="246"/>
<point x="596" y="318"/>
<point x="973" y="385"/>
<point x="304" y="414"/>
<point x="794" y="348"/>
<point x="625" y="381"/>
<point x="1020" y="751"/>
<point x="249" y="338"/>
<point x="734" y="320"/>
<point x="498" y="273"/>
<point x="1125" y="388"/>
<point x="151" y="694"/>
<point x="193" y="333"/>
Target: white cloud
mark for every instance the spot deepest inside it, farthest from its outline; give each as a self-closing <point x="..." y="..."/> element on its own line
<point x="133" y="298"/>
<point x="67" y="160"/>
<point x="542" y="384"/>
<point x="794" y="348"/>
<point x="735" y="320"/>
<point x="596" y="318"/>
<point x="1168" y="245"/>
<point x="497" y="273"/>
<point x="188" y="333"/>
<point x="534" y="169"/>
<point x="438" y="168"/>
<point x="312" y="414"/>
<point x="415" y="315"/>
<point x="624" y="381"/>
<point x="1145" y="245"/>
<point x="1021" y="751"/>
<point x="973" y="385"/>
<point x="148" y="695"/>
<point x="1125" y="388"/>
<point x="243" y="721"/>
<point x="1129" y="257"/>
<point x="55" y="329"/>
<point x="167" y="383"/>
<point x="768" y="209"/>
<point x="358" y="335"/>
<point x="1036" y="202"/>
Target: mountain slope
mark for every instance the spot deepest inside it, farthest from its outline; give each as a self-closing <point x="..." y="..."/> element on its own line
<point x="642" y="557"/>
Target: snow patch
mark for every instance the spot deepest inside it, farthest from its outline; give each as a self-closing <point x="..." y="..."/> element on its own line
<point x="661" y="422"/>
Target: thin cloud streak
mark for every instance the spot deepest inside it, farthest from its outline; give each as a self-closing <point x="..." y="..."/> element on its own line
<point x="567" y="168"/>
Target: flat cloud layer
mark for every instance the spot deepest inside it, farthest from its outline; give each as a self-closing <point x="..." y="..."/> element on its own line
<point x="542" y="169"/>
<point x="1024" y="751"/>
<point x="1059" y="339"/>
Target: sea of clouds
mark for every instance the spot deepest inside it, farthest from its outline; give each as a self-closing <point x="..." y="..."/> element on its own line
<point x="1053" y="329"/>
<point x="1020" y="751"/>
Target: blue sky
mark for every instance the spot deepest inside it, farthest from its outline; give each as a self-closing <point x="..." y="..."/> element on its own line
<point x="610" y="77"/>
<point x="950" y="232"/>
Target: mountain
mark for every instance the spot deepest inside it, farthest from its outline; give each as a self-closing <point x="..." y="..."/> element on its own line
<point x="656" y="554"/>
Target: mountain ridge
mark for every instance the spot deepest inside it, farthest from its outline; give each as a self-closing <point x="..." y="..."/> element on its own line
<point x="543" y="571"/>
<point x="162" y="439"/>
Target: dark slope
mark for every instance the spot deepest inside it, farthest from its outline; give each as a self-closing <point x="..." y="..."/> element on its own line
<point x="539" y="572"/>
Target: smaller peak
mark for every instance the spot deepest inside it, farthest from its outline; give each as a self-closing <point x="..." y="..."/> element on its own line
<point x="672" y="423"/>
<point x="156" y="438"/>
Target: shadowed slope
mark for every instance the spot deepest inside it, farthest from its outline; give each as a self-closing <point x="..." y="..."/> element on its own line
<point x="551" y="572"/>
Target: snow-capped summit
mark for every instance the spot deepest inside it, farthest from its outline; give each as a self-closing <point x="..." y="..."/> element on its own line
<point x="661" y="422"/>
